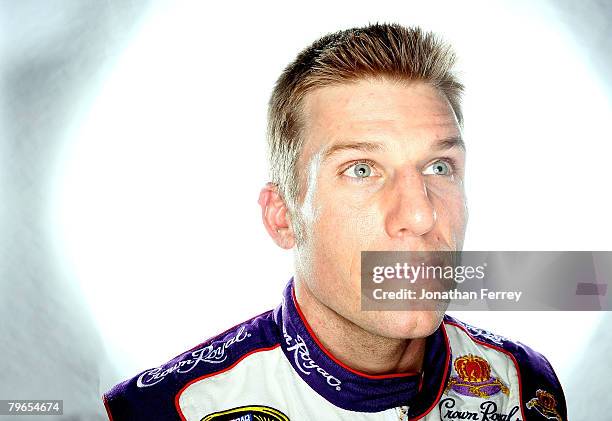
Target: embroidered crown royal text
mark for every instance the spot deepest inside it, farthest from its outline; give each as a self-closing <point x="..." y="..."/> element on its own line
<point x="301" y="356"/>
<point x="476" y="333"/>
<point x="488" y="411"/>
<point x="209" y="354"/>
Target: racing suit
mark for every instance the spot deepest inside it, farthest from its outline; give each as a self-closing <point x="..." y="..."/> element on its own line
<point x="273" y="367"/>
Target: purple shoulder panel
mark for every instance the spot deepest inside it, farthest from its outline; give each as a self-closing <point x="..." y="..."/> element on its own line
<point x="151" y="394"/>
<point x="541" y="392"/>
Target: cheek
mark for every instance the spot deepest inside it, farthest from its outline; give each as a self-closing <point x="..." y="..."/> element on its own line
<point x="348" y="225"/>
<point x="339" y="232"/>
<point x="457" y="210"/>
<point x="451" y="213"/>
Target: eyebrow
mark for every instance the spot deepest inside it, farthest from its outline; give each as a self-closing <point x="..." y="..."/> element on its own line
<point x="449" y="143"/>
<point x="347" y="146"/>
<point x="438" y="145"/>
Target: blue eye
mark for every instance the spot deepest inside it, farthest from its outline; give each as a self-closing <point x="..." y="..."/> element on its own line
<point x="359" y="170"/>
<point x="440" y="168"/>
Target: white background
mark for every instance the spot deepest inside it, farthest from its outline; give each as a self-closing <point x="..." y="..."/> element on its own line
<point x="150" y="206"/>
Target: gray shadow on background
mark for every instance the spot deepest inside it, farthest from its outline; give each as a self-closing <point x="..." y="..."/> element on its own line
<point x="53" y="57"/>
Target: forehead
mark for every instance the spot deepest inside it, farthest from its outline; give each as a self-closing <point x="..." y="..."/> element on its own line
<point x="376" y="108"/>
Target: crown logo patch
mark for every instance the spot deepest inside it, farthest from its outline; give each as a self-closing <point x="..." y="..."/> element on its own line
<point x="546" y="404"/>
<point x="474" y="378"/>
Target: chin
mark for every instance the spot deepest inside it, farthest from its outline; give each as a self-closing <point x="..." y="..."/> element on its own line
<point x="407" y="324"/>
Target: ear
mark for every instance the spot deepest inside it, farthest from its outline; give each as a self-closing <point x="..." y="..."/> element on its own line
<point x="275" y="216"/>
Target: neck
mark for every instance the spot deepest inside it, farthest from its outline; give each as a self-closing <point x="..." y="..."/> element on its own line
<point x="355" y="347"/>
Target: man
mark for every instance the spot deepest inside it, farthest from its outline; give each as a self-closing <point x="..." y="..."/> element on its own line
<point x="366" y="154"/>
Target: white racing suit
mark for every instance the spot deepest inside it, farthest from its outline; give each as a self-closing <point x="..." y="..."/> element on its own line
<point x="272" y="367"/>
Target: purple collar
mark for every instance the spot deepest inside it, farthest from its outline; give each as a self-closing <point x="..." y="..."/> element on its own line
<point x="350" y="389"/>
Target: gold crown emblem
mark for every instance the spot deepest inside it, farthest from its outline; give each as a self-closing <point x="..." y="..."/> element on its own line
<point x="473" y="369"/>
<point x="547" y="400"/>
<point x="546" y="404"/>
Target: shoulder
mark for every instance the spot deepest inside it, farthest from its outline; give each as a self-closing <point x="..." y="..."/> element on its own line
<point x="540" y="391"/>
<point x="152" y="393"/>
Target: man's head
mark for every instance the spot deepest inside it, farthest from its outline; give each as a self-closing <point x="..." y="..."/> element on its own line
<point x="365" y="151"/>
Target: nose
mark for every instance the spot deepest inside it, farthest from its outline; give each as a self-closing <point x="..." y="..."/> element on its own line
<point x="410" y="212"/>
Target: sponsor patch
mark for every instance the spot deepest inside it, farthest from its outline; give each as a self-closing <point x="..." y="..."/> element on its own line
<point x="248" y="413"/>
<point x="546" y="404"/>
<point x="450" y="409"/>
<point x="303" y="361"/>
<point x="210" y="354"/>
<point x="480" y="333"/>
<point x="474" y="378"/>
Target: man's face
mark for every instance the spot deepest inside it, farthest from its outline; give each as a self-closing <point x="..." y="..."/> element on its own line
<point x="379" y="171"/>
